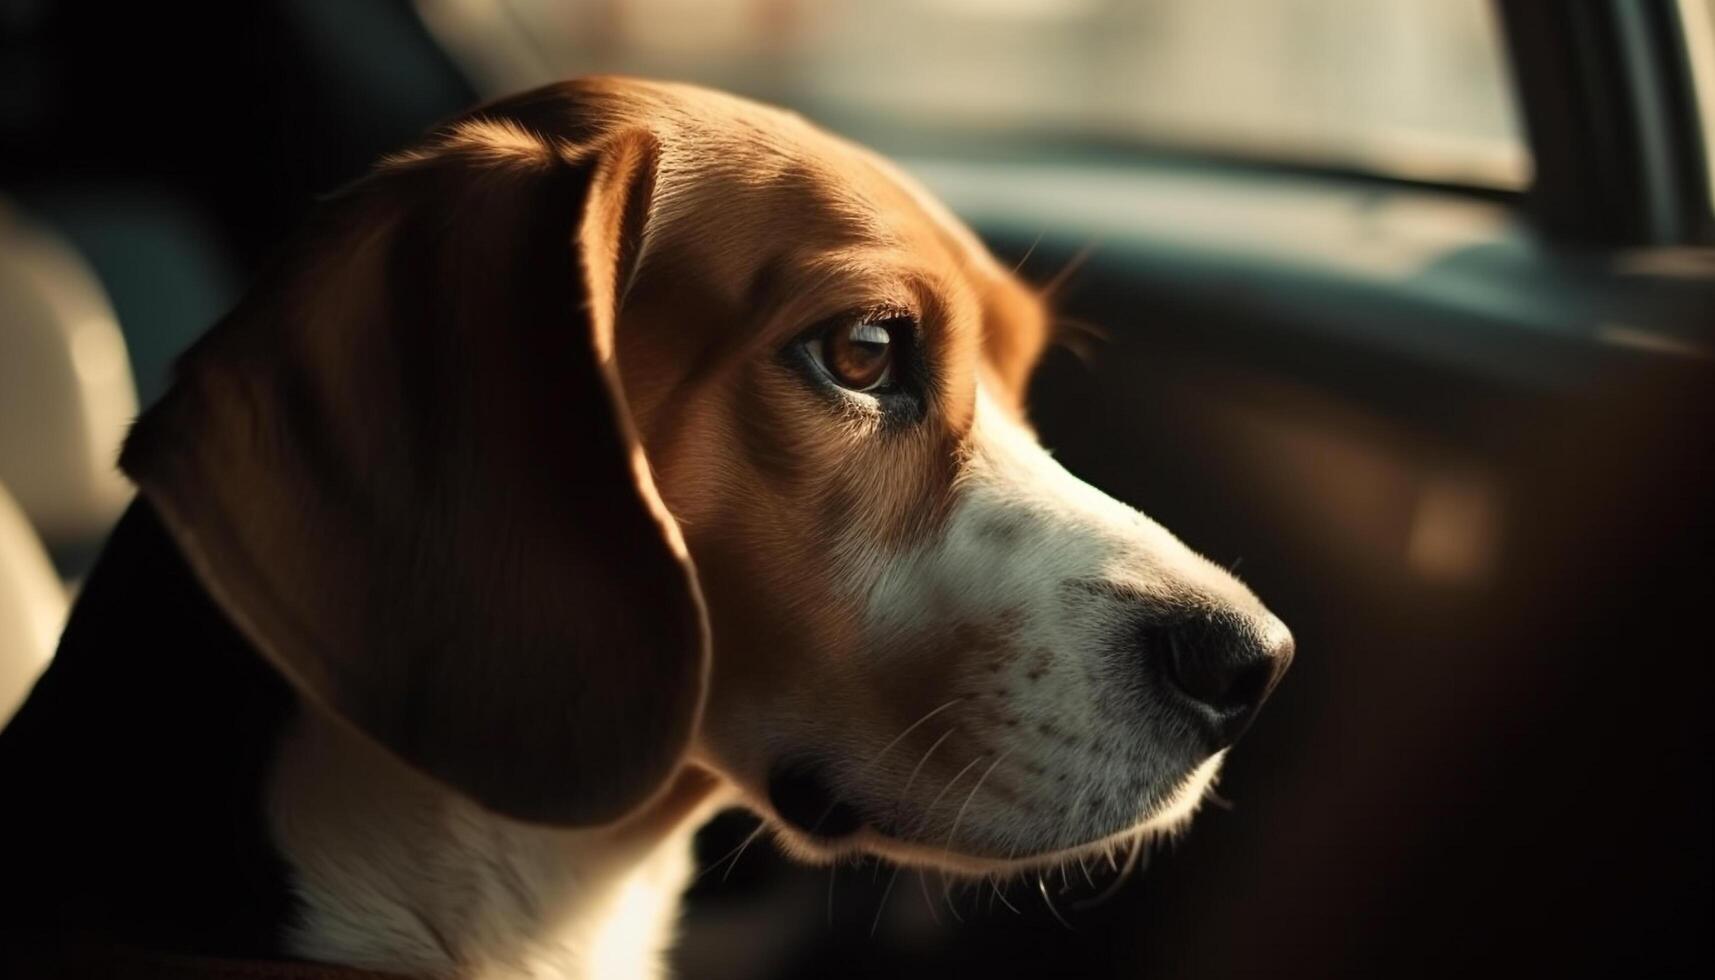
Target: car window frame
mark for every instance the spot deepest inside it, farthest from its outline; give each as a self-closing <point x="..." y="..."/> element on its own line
<point x="1606" y="93"/>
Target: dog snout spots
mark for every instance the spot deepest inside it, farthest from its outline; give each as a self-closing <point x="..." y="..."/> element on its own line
<point x="1051" y="731"/>
<point x="1041" y="664"/>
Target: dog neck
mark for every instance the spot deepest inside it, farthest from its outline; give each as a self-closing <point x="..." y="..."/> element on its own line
<point x="395" y="871"/>
<point x="166" y="790"/>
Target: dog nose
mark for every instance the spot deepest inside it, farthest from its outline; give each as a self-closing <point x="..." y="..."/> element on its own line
<point x="1222" y="666"/>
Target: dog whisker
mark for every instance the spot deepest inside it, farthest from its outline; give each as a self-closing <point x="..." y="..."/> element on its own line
<point x="1072" y="265"/>
<point x="741" y="849"/>
<point x="1042" y="888"/>
<point x="951" y="833"/>
<point x="878" y="756"/>
<point x="919" y="768"/>
<point x="1124" y="874"/>
<point x="947" y="896"/>
<point x="1028" y="252"/>
<point x="1080" y="338"/>
<point x="891" y="880"/>
<point x="928" y="901"/>
<point x="908" y="730"/>
<point x="995" y="887"/>
<point x="928" y="813"/>
<point x="733" y="854"/>
<point x="833" y="869"/>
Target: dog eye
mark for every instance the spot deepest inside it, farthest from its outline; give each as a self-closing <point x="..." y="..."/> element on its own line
<point x="860" y="355"/>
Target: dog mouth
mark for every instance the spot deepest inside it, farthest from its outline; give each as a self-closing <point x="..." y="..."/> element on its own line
<point x="803" y="796"/>
<point x="806" y="798"/>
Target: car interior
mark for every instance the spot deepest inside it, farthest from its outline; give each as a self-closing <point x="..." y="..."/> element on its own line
<point x="1404" y="312"/>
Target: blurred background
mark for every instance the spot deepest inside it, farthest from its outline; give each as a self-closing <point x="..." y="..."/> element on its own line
<point x="1404" y="308"/>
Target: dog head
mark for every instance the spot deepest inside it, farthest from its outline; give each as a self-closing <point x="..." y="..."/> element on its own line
<point x="612" y="374"/>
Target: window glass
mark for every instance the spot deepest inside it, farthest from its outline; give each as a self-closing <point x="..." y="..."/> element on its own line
<point x="1413" y="87"/>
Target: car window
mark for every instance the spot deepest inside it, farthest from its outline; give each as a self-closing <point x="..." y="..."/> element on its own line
<point x="1415" y="88"/>
<point x="1697" y="22"/>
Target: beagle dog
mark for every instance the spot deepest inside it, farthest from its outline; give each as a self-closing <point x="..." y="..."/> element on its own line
<point x="621" y="452"/>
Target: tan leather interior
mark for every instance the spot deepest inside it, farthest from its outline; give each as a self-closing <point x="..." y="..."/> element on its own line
<point x="66" y="391"/>
<point x="66" y="398"/>
<point x="32" y="607"/>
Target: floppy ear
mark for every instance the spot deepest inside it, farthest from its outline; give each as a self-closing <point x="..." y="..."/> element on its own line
<point x="404" y="468"/>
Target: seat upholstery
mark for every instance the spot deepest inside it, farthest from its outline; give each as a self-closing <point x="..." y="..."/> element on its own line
<point x="32" y="607"/>
<point x="66" y="391"/>
<point x="66" y="398"/>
